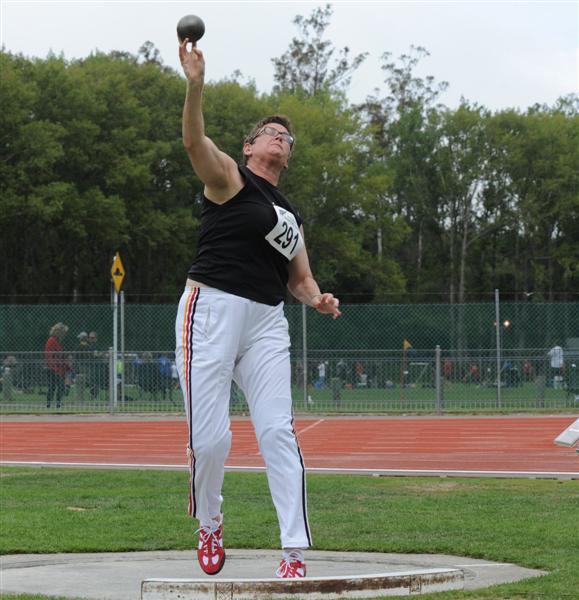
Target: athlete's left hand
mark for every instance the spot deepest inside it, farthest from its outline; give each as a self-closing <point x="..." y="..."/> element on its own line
<point x="327" y="304"/>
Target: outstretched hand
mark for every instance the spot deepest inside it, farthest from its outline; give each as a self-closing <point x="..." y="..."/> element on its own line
<point x="192" y="62"/>
<point x="326" y="304"/>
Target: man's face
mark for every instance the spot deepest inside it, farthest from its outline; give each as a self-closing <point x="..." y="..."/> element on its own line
<point x="272" y="140"/>
<point x="92" y="338"/>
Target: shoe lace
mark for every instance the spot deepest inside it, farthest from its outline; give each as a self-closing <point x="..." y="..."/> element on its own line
<point x="286" y="562"/>
<point x="209" y="537"/>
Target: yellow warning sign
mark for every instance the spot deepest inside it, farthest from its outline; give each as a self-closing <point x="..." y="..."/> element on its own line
<point x="118" y="272"/>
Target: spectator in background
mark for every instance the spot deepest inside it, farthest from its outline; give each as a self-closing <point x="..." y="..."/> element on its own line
<point x="92" y="340"/>
<point x="527" y="370"/>
<point x="148" y="374"/>
<point x="361" y="375"/>
<point x="321" y="382"/>
<point x="342" y="371"/>
<point x="9" y="366"/>
<point x="512" y="376"/>
<point x="82" y="350"/>
<point x="556" y="359"/>
<point x="447" y="368"/>
<point x="83" y="345"/>
<point x="175" y="376"/>
<point x="473" y="374"/>
<point x="57" y="365"/>
<point x="165" y="375"/>
<point x="81" y="365"/>
<point x="97" y="366"/>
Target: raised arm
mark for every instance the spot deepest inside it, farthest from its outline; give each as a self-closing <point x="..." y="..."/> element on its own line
<point x="217" y="170"/>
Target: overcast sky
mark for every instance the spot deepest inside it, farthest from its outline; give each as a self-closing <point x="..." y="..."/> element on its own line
<point x="498" y="53"/>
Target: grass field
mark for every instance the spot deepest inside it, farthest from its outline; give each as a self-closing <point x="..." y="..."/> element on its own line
<point x="458" y="397"/>
<point x="533" y="523"/>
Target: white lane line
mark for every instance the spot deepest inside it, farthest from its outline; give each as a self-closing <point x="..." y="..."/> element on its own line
<point x="258" y="453"/>
<point x="336" y="470"/>
<point x="310" y="427"/>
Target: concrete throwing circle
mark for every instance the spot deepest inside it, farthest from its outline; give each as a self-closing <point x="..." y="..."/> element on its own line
<point x="126" y="575"/>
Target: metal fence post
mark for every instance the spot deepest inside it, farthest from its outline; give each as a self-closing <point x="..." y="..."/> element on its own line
<point x="7" y="384"/>
<point x="498" y="335"/>
<point x="305" y="354"/>
<point x="115" y="389"/>
<point x="112" y="382"/>
<point x="122" y="336"/>
<point x="438" y="382"/>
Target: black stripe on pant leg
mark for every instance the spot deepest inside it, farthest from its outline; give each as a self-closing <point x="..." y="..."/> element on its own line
<point x="304" y="503"/>
<point x="190" y="393"/>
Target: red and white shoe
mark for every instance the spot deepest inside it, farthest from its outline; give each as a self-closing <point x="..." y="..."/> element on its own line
<point x="210" y="551"/>
<point x="292" y="566"/>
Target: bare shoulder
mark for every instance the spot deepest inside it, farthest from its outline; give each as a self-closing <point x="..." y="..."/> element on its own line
<point x="232" y="183"/>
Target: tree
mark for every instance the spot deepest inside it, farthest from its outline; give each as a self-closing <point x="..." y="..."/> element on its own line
<point x="474" y="192"/>
<point x="398" y="195"/>
<point x="309" y="66"/>
<point x="405" y="126"/>
<point x="91" y="161"/>
<point x="539" y="150"/>
<point x="148" y="53"/>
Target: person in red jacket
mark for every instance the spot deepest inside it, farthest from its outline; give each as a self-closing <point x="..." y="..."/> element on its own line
<point x="56" y="363"/>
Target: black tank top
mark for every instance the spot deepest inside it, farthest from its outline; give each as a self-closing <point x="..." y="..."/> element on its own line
<point x="233" y="254"/>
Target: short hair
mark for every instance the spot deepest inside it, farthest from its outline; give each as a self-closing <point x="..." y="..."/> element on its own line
<point x="279" y="119"/>
<point x="59" y="328"/>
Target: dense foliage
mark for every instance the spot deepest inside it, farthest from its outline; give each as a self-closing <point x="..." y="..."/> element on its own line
<point x="402" y="198"/>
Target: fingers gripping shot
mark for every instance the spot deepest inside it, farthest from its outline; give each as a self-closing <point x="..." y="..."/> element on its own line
<point x="231" y="325"/>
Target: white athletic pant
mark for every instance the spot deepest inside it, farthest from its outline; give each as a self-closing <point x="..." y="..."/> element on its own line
<point x="221" y="337"/>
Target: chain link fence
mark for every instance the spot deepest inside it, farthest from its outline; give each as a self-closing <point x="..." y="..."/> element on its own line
<point x="375" y="358"/>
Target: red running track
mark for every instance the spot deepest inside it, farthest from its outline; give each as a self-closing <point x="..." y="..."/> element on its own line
<point x="453" y="445"/>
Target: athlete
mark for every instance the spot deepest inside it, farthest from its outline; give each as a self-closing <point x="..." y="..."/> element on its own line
<point x="231" y="326"/>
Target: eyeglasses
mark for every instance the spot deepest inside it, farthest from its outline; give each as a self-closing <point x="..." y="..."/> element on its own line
<point x="273" y="132"/>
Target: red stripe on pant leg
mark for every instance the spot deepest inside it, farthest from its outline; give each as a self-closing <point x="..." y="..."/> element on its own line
<point x="187" y="353"/>
<point x="190" y="323"/>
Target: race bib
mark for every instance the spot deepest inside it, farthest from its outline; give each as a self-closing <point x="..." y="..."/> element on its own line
<point x="285" y="237"/>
